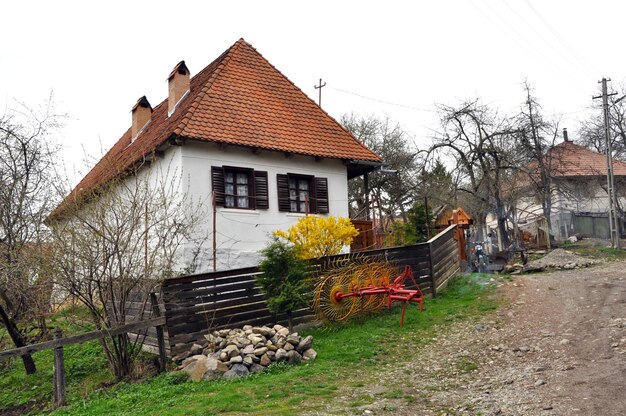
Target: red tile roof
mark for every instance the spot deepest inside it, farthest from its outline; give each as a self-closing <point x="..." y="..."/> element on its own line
<point x="570" y="159"/>
<point x="239" y="99"/>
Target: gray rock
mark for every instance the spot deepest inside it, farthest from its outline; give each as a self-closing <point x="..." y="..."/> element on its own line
<point x="260" y="351"/>
<point x="255" y="340"/>
<point x="271" y="354"/>
<point x="265" y="360"/>
<point x="293" y="339"/>
<point x="283" y="331"/>
<point x="231" y="350"/>
<point x="249" y="349"/>
<point x="180" y="357"/>
<point x="263" y="330"/>
<point x="236" y="359"/>
<point x="309" y="355"/>
<point x="224" y="356"/>
<point x="272" y="347"/>
<point x="195" y="349"/>
<point x="237" y="370"/>
<point x="247" y="327"/>
<point x="524" y="349"/>
<point x="280" y="342"/>
<point x="196" y="368"/>
<point x="293" y="357"/>
<point x="305" y="343"/>
<point x="247" y="361"/>
<point x="288" y="346"/>
<point x="281" y="355"/>
<point x="256" y="368"/>
<point x="564" y="341"/>
<point x="540" y="382"/>
<point x="191" y="359"/>
<point x="215" y="369"/>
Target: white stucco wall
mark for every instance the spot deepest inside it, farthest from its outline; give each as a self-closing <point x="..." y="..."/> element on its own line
<point x="239" y="233"/>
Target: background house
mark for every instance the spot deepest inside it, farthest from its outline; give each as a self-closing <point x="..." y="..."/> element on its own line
<point x="245" y="140"/>
<point x="580" y="201"/>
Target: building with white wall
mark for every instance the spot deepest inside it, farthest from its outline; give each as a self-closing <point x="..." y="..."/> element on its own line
<point x="247" y="142"/>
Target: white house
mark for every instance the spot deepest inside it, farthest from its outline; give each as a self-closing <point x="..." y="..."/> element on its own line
<point x="580" y="200"/>
<point x="246" y="140"/>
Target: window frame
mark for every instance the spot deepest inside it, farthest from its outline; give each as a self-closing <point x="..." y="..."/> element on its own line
<point x="308" y="202"/>
<point x="250" y="185"/>
<point x="258" y="191"/>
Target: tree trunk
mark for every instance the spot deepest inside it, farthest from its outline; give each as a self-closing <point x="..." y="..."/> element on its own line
<point x="18" y="340"/>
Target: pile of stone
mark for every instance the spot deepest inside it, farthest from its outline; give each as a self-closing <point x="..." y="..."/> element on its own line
<point x="560" y="259"/>
<point x="232" y="353"/>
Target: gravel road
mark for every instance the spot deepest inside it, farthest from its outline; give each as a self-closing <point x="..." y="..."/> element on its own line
<point x="557" y="346"/>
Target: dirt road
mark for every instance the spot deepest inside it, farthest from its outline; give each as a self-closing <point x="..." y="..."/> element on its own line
<point x="557" y="346"/>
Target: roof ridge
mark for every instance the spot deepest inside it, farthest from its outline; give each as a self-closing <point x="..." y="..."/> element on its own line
<point x="309" y="98"/>
<point x="223" y="59"/>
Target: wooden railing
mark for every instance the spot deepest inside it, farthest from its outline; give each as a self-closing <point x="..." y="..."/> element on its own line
<point x="59" y="342"/>
<point x="198" y="303"/>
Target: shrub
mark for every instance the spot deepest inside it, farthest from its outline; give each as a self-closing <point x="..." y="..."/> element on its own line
<point x="319" y="236"/>
<point x="284" y="279"/>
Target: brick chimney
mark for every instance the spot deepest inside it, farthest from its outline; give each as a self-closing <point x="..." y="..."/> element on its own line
<point x="141" y="113"/>
<point x="178" y="86"/>
<point x="565" y="135"/>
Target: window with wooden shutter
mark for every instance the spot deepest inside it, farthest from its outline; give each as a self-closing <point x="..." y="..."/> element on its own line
<point x="261" y="190"/>
<point x="302" y="193"/>
<point x="321" y="195"/>
<point x="283" y="192"/>
<point x="242" y="188"/>
<point x="217" y="183"/>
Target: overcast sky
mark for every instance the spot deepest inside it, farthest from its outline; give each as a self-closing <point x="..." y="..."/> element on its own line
<point x="387" y="58"/>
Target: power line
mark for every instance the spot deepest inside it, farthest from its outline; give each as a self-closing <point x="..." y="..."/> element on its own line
<point x="555" y="49"/>
<point x="562" y="40"/>
<point x="554" y="67"/>
<point x="381" y="101"/>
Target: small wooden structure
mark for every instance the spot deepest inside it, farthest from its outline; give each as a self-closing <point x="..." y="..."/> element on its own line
<point x="463" y="221"/>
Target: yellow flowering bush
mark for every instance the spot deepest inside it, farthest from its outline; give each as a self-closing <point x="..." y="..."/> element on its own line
<point x="319" y="236"/>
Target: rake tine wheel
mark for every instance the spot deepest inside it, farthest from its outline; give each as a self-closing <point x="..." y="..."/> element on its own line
<point x="327" y="303"/>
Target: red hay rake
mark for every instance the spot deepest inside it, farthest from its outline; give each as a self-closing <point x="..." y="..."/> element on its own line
<point x="363" y="287"/>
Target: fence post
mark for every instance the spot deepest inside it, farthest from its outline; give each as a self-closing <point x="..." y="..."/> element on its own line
<point x="432" y="271"/>
<point x="59" y="371"/>
<point x="156" y="311"/>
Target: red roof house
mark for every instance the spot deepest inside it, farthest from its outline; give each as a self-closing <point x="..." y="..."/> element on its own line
<point x="241" y="130"/>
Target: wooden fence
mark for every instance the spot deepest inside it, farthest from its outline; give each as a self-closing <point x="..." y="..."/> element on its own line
<point x="195" y="303"/>
<point x="59" y="342"/>
<point x="198" y="303"/>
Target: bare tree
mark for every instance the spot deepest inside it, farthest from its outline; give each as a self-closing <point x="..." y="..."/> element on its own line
<point x="537" y="136"/>
<point x="481" y="144"/>
<point x="591" y="131"/>
<point x="114" y="244"/>
<point x="393" y="193"/>
<point x="26" y="195"/>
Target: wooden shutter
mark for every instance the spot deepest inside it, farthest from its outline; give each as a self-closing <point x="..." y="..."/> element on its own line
<point x="217" y="182"/>
<point x="283" y="192"/>
<point x="261" y="190"/>
<point x="321" y="195"/>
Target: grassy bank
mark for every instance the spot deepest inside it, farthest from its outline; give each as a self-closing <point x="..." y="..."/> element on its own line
<point x="360" y="345"/>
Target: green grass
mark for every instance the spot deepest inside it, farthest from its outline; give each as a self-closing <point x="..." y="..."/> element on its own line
<point x="85" y="366"/>
<point x="591" y="248"/>
<point x="349" y="356"/>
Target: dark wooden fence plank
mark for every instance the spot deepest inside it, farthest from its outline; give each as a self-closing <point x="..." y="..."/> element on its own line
<point x="196" y="304"/>
<point x="88" y="336"/>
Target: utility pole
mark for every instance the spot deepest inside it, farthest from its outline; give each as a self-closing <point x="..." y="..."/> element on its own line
<point x="613" y="220"/>
<point x="319" y="87"/>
